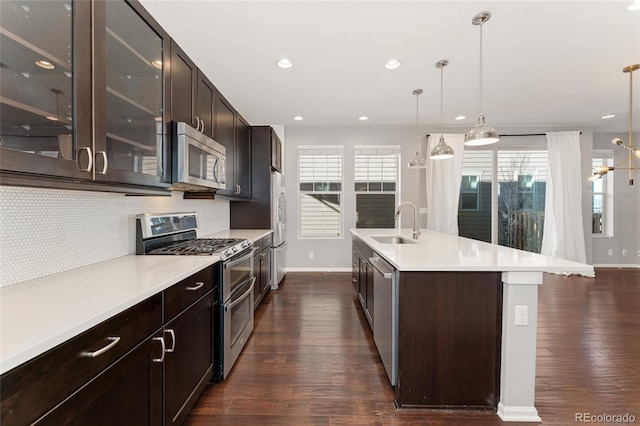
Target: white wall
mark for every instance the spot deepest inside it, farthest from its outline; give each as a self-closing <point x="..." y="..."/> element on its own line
<point x="335" y="254"/>
<point x="44" y="231"/>
<point x="626" y="198"/>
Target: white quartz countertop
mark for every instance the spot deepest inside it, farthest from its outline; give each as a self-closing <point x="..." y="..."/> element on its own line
<point x="39" y="314"/>
<point x="250" y="234"/>
<point x="436" y="251"/>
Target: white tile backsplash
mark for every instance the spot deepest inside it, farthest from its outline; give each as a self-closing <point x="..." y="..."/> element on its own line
<point x="44" y="231"/>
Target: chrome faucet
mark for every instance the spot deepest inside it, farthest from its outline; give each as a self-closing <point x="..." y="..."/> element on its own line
<point x="416" y="232"/>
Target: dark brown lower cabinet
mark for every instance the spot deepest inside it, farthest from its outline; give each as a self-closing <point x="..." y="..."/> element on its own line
<point x="188" y="364"/>
<point x="127" y="393"/>
<point x="449" y="339"/>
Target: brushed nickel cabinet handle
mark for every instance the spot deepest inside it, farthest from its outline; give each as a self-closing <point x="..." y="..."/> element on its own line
<point x="161" y="340"/>
<point x="173" y="340"/>
<point x="90" y="154"/>
<point x="114" y="341"/>
<point x="106" y="162"/>
<point x="198" y="286"/>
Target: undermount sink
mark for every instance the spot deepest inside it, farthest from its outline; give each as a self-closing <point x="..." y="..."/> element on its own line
<point x="394" y="240"/>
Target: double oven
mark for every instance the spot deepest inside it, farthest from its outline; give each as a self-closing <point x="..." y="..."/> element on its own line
<point x="175" y="234"/>
<point x="236" y="309"/>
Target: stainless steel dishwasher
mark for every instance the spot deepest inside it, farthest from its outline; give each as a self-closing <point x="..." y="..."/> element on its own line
<point x="385" y="318"/>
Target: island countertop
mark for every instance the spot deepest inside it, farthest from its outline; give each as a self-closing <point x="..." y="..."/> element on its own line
<point x="437" y="251"/>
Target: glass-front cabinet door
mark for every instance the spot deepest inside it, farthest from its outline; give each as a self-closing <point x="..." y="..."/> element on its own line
<point x="82" y="92"/>
<point x="130" y="94"/>
<point x="45" y="87"/>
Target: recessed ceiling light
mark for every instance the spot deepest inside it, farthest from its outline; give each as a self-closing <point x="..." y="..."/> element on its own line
<point x="157" y="63"/>
<point x="52" y="118"/>
<point x="25" y="74"/>
<point x="363" y="118"/>
<point x="24" y="7"/>
<point x="46" y="65"/>
<point x="604" y="117"/>
<point x="459" y="117"/>
<point x="392" y="64"/>
<point x="284" y="63"/>
<point x="634" y="7"/>
<point x="298" y="118"/>
<point x="68" y="7"/>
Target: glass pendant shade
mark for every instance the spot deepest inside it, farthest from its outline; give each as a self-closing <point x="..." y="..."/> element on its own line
<point x="482" y="134"/>
<point x="441" y="151"/>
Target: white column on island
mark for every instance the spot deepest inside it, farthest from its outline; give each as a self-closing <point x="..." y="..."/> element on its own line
<point x="518" y="362"/>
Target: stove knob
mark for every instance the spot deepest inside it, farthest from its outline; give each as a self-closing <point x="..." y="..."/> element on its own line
<point x="228" y="252"/>
<point x="235" y="249"/>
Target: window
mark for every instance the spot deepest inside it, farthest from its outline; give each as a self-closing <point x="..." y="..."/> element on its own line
<point x="320" y="191"/>
<point x="376" y="185"/>
<point x="469" y="192"/>
<point x="515" y="218"/>
<point x="602" y="196"/>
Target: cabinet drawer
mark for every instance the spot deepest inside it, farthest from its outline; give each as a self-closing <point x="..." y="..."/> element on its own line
<point x="267" y="241"/>
<point x="30" y="390"/>
<point x="181" y="295"/>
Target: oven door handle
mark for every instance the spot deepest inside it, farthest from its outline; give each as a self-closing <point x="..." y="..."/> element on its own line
<point x="246" y="294"/>
<point x="233" y="263"/>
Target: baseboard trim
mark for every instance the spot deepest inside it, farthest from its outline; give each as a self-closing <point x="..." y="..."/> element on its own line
<point x="318" y="269"/>
<point x="518" y="414"/>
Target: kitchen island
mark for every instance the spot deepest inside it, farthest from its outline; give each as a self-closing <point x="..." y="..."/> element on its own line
<point x="455" y="306"/>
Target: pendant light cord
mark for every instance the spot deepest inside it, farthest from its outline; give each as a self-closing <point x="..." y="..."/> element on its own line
<point x="480" y="86"/>
<point x="441" y="98"/>
<point x="417" y="126"/>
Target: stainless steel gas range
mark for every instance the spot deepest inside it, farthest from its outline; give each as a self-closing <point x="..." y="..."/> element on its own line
<point x="175" y="234"/>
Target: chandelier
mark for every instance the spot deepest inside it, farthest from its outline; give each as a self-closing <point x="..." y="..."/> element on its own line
<point x="600" y="171"/>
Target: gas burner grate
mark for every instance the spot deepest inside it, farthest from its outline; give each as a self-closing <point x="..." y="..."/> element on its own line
<point x="198" y="246"/>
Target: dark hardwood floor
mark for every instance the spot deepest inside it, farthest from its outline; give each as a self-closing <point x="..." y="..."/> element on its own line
<point x="311" y="359"/>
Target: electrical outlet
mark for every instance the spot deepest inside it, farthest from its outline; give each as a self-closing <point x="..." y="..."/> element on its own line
<point x="310" y="255"/>
<point x="610" y="252"/>
<point x="624" y="252"/>
<point x="522" y="315"/>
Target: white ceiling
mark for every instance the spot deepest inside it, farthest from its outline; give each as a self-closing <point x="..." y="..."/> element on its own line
<point x="546" y="63"/>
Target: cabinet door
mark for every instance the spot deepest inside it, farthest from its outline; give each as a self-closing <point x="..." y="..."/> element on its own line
<point x="276" y="152"/>
<point x="266" y="271"/>
<point x="45" y="103"/>
<point x="131" y="51"/>
<point x="370" y="294"/>
<point x="243" y="158"/>
<point x="258" y="264"/>
<point x="205" y="104"/>
<point x="129" y="392"/>
<point x="225" y="134"/>
<point x="189" y="359"/>
<point x="184" y="77"/>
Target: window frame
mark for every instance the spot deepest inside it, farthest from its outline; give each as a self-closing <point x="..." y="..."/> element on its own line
<point x="604" y="157"/>
<point x="376" y="150"/>
<point x="320" y="150"/>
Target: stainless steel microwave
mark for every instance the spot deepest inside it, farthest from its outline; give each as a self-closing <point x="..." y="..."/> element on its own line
<point x="198" y="162"/>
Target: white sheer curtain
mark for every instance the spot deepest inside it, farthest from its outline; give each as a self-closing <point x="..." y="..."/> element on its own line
<point x="563" y="225"/>
<point x="443" y="185"/>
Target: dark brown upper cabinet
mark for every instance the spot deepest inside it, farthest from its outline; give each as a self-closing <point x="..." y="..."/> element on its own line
<point x="234" y="133"/>
<point x="83" y="94"/>
<point x="192" y="94"/>
<point x="276" y="152"/>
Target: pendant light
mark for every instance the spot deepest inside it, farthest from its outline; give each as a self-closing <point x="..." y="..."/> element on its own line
<point x="441" y="151"/>
<point x="417" y="162"/>
<point x="482" y="134"/>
